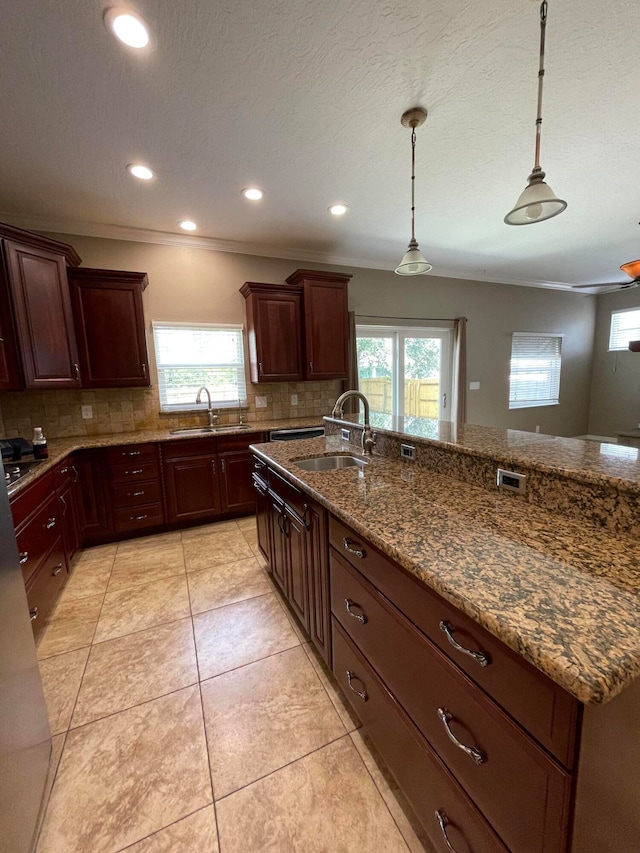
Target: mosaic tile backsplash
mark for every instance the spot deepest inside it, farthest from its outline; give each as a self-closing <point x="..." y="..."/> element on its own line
<point x="59" y="413"/>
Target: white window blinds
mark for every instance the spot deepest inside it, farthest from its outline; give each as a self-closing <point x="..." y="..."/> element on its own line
<point x="625" y="327"/>
<point x="191" y="355"/>
<point x="534" y="378"/>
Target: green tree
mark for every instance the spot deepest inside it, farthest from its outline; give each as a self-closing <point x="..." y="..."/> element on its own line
<point x="422" y="358"/>
<point x="374" y="354"/>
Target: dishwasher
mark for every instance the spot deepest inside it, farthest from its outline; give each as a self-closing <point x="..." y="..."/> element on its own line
<point x="296" y="433"/>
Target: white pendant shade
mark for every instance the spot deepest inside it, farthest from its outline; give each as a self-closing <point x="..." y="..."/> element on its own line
<point x="536" y="203"/>
<point x="413" y="263"/>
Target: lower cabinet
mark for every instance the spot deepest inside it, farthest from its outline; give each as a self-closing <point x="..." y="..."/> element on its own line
<point x="236" y="492"/>
<point x="95" y="519"/>
<point x="193" y="490"/>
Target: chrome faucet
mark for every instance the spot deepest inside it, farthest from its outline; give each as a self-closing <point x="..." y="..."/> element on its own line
<point x="368" y="437"/>
<point x="213" y="416"/>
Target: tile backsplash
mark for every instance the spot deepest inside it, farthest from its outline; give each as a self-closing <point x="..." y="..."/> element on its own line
<point x="59" y="413"/>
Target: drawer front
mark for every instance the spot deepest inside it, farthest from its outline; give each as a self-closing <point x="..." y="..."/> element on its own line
<point x="293" y="497"/>
<point x="547" y="711"/>
<point x="138" y="518"/>
<point x="44" y="587"/>
<point x="36" y="537"/>
<point x="30" y="498"/>
<point x="179" y="448"/>
<point x="426" y="783"/>
<point x="229" y="443"/>
<point x="522" y="792"/>
<point x="132" y="472"/>
<point x="64" y="473"/>
<point x="260" y="472"/>
<point x="132" y="452"/>
<point x="136" y="494"/>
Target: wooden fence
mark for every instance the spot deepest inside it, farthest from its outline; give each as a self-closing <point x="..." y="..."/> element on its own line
<point x="420" y="396"/>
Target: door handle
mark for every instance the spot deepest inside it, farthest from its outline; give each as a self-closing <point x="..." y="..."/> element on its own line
<point x="57" y="570"/>
<point x="24" y="556"/>
<point x="51" y="523"/>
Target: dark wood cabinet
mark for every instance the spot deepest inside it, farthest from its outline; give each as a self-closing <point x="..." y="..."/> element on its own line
<point x="191" y="479"/>
<point x="37" y="280"/>
<point x="298" y="330"/>
<point x="326" y="328"/>
<point x="236" y="489"/>
<point x="278" y="542"/>
<point x="109" y="323"/>
<point x="262" y="516"/>
<point x="95" y="516"/>
<point x="10" y="376"/>
<point x="274" y="329"/>
<point x="67" y="485"/>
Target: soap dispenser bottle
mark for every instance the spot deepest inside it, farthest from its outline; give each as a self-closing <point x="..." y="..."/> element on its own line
<point x="39" y="442"/>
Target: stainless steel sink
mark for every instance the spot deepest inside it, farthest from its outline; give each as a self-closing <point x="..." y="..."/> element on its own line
<point x="209" y="430"/>
<point x="331" y="463"/>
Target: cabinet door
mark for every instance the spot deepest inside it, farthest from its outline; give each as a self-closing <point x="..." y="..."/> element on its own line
<point x="193" y="490"/>
<point x="109" y="322"/>
<point x="318" y="562"/>
<point x="94" y="506"/>
<point x="262" y="519"/>
<point x="326" y="330"/>
<point x="298" y="568"/>
<point x="236" y="489"/>
<point x="278" y="543"/>
<point x="40" y="291"/>
<point x="10" y="378"/>
<point x="274" y="326"/>
<point x="70" y="526"/>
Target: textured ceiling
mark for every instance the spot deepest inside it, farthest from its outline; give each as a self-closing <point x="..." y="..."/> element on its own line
<point x="304" y="99"/>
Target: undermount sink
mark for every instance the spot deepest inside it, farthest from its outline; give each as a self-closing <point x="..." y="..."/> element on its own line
<point x="209" y="430"/>
<point x="331" y="463"/>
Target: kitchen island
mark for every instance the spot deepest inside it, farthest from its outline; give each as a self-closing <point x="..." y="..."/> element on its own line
<point x="558" y="592"/>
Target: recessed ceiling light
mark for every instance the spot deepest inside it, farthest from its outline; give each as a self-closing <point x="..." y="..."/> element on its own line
<point x="338" y="209"/>
<point x="187" y="225"/>
<point x="253" y="193"/>
<point x="143" y="173"/>
<point x="127" y="25"/>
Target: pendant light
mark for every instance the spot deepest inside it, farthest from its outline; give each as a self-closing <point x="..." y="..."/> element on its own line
<point x="413" y="261"/>
<point x="538" y="201"/>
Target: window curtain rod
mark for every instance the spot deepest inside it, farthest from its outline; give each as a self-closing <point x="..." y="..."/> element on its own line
<point x="430" y="319"/>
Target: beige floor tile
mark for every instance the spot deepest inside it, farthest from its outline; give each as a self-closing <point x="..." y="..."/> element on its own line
<point x="97" y="554"/>
<point x="241" y="633"/>
<point x="214" y="549"/>
<point x="135" y="668"/>
<point x="57" y="745"/>
<point x="412" y="833"/>
<point x="194" y="833"/>
<point x="146" y="564"/>
<point x="263" y="716"/>
<point x="293" y="619"/>
<point x="246" y="523"/>
<point x="127" y="776"/>
<point x="148" y="543"/>
<point x="251" y="537"/>
<point x="346" y="714"/>
<point x="139" y="607"/>
<point x="87" y="578"/>
<point x="226" y="584"/>
<point x="207" y="529"/>
<point x="324" y="803"/>
<point x="61" y="677"/>
<point x="71" y="627"/>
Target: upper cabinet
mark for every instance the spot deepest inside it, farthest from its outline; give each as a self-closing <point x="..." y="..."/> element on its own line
<point x="298" y="330"/>
<point x="39" y="345"/>
<point x="109" y="323"/>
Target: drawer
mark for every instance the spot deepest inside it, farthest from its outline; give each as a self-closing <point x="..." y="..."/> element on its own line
<point x="179" y="448"/>
<point x="128" y="472"/>
<point x="36" y="536"/>
<point x="547" y="711"/>
<point x="425" y="781"/>
<point x="138" y="518"/>
<point x="260" y="472"/>
<point x="132" y="452"/>
<point x="293" y="497"/>
<point x="64" y="473"/>
<point x="136" y="494"/>
<point x="520" y="790"/>
<point x="229" y="443"/>
<point x="30" y="498"/>
<point x="44" y="587"/>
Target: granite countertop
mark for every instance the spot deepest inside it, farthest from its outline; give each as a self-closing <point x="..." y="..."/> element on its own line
<point x="60" y="447"/>
<point x="582" y="460"/>
<point x="565" y="595"/>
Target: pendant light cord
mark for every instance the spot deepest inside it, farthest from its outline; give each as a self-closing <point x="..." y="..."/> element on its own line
<point x="543" y="25"/>
<point x="413" y="183"/>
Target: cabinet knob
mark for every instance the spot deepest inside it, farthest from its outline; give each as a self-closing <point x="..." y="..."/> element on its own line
<point x="33" y="614"/>
<point x="351" y="677"/>
<point x="144" y="370"/>
<point x="442" y="823"/>
<point x="51" y="523"/>
<point x="24" y="556"/>
<point x="472" y="751"/>
<point x="64" y="470"/>
<point x="482" y="658"/>
<point x="76" y="368"/>
<point x="57" y="570"/>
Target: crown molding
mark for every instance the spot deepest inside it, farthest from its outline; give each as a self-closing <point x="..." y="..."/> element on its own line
<point x="167" y="238"/>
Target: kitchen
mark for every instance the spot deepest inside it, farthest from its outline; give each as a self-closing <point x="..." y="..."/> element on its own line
<point x="198" y="279"/>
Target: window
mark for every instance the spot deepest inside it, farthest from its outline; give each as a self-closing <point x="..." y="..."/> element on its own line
<point x="189" y="355"/>
<point x="405" y="371"/>
<point x="534" y="378"/>
<point x="625" y="327"/>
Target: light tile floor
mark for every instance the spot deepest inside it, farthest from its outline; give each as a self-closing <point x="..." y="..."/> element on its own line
<point x="191" y="714"/>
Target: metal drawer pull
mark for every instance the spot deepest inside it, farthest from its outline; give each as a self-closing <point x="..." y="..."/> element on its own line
<point x="64" y="505"/>
<point x="361" y="693"/>
<point x="75" y="473"/>
<point x="57" y="570"/>
<point x="347" y="547"/>
<point x="472" y="751"/>
<point x="51" y="523"/>
<point x="482" y="658"/>
<point x="33" y="614"/>
<point x="442" y="822"/>
<point x="76" y="368"/>
<point x="137" y="494"/>
<point x="131" y="453"/>
<point x="348" y="603"/>
<point x="137" y="517"/>
<point x="24" y="556"/>
<point x="135" y="471"/>
<point x="64" y="470"/>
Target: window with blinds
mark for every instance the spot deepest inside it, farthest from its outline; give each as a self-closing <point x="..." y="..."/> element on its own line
<point x="625" y="327"/>
<point x="189" y="356"/>
<point x="534" y="377"/>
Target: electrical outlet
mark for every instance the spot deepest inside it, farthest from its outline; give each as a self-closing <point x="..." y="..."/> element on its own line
<point x="538" y="428"/>
<point x="408" y="451"/>
<point x="512" y="481"/>
<point x="474" y="386"/>
<point x="294" y="399"/>
<point x="346" y="434"/>
<point x="87" y="411"/>
<point x="261" y="402"/>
